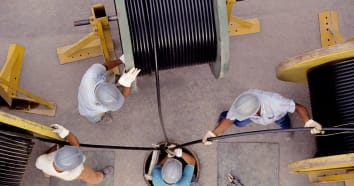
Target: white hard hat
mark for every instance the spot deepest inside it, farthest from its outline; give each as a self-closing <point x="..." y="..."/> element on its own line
<point x="68" y="158"/>
<point x="109" y="96"/>
<point x="245" y="106"/>
<point x="172" y="171"/>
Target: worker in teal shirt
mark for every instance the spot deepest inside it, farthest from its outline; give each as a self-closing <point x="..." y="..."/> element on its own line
<point x="170" y="171"/>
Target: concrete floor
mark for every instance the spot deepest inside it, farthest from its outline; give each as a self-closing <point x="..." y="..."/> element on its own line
<point x="191" y="97"/>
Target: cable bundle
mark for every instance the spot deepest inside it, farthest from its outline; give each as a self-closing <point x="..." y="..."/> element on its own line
<point x="184" y="30"/>
<point x="15" y="149"/>
<point x="332" y="99"/>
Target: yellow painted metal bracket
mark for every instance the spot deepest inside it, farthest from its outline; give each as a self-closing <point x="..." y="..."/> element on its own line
<point x="343" y="161"/>
<point x="36" y="128"/>
<point x="329" y="28"/>
<point x="327" y="169"/>
<point x="9" y="86"/>
<point x="336" y="177"/>
<point x="238" y="26"/>
<point x="98" y="42"/>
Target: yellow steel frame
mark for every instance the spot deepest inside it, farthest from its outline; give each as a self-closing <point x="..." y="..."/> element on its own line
<point x="9" y="86"/>
<point x="36" y="128"/>
<point x="327" y="169"/>
<point x="98" y="42"/>
<point x="238" y="26"/>
<point x="329" y="28"/>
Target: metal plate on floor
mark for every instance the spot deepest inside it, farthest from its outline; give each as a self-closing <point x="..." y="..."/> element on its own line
<point x="96" y="160"/>
<point x="255" y="164"/>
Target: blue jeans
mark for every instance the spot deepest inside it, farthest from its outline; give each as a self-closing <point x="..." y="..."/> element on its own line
<point x="283" y="122"/>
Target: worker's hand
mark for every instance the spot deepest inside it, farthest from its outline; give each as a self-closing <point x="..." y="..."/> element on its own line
<point x="127" y="79"/>
<point x="317" y="128"/>
<point x="176" y="152"/>
<point x="206" y="136"/>
<point x="60" y="130"/>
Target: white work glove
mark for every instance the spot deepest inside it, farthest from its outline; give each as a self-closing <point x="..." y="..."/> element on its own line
<point x="317" y="128"/>
<point x="127" y="79"/>
<point x="122" y="58"/>
<point x="208" y="135"/>
<point x="176" y="152"/>
<point x="60" y="130"/>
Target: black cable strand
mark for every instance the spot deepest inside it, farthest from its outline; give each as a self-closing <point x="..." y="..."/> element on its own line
<point x="331" y="92"/>
<point x="261" y="132"/>
<point x="221" y="137"/>
<point x="157" y="80"/>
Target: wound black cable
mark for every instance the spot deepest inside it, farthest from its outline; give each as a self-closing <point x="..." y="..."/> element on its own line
<point x="185" y="33"/>
<point x="331" y="87"/>
<point x="15" y="151"/>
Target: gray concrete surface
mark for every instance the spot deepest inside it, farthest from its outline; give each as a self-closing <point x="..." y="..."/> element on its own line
<point x="191" y="97"/>
<point x="253" y="163"/>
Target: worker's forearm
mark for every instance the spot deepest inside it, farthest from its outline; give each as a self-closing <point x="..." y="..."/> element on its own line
<point x="72" y="140"/>
<point x="111" y="64"/>
<point x="302" y="112"/>
<point x="163" y="161"/>
<point x="222" y="126"/>
<point x="126" y="91"/>
<point x="188" y="158"/>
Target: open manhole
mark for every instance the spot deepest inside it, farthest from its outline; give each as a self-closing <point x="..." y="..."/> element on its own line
<point x="164" y="154"/>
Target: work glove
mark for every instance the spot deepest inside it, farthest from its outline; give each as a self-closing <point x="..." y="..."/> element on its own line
<point x="317" y="128"/>
<point x="60" y="130"/>
<point x="206" y="136"/>
<point x="122" y="58"/>
<point x="127" y="79"/>
<point x="176" y="152"/>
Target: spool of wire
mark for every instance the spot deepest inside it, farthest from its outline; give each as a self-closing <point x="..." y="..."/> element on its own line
<point x="15" y="150"/>
<point x="331" y="88"/>
<point x="185" y="33"/>
<point x="329" y="74"/>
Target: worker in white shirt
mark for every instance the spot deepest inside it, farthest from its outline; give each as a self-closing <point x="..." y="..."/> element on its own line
<point x="264" y="108"/>
<point x="98" y="96"/>
<point x="67" y="163"/>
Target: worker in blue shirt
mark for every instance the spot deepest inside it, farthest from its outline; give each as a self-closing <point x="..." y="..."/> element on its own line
<point x="170" y="171"/>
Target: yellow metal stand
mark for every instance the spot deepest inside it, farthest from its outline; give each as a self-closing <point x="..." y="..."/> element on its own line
<point x="28" y="125"/>
<point x="327" y="169"/>
<point x="238" y="26"/>
<point x="9" y="86"/>
<point x="98" y="42"/>
<point x="329" y="29"/>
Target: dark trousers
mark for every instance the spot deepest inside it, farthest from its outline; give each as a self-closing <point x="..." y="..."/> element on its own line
<point x="283" y="122"/>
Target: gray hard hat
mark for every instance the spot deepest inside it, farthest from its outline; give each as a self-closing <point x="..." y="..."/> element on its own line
<point x="245" y="106"/>
<point x="109" y="96"/>
<point x="172" y="171"/>
<point x="68" y="158"/>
